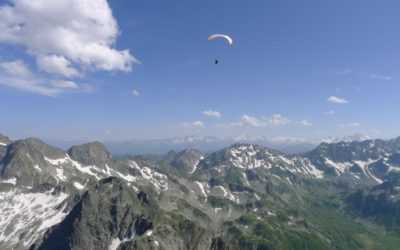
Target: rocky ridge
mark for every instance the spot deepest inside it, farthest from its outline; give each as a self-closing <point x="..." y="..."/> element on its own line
<point x="84" y="198"/>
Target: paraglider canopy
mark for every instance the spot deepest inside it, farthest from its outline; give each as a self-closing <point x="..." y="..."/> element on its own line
<point x="227" y="38"/>
<point x="221" y="36"/>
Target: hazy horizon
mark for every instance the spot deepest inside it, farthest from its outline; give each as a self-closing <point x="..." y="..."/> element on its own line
<point x="205" y="144"/>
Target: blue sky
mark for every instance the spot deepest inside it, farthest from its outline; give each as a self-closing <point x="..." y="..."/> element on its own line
<point x="305" y="69"/>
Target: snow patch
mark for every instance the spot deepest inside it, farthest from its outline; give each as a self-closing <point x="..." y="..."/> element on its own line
<point x="79" y="186"/>
<point x="158" y="180"/>
<point x="288" y="180"/>
<point x="202" y="189"/>
<point x="285" y="160"/>
<point x="114" y="244"/>
<point x="339" y="167"/>
<point x="364" y="165"/>
<point x="196" y="165"/>
<point x="226" y="194"/>
<point x="24" y="217"/>
<point x="217" y="210"/>
<point x="251" y="157"/>
<point x="56" y="162"/>
<point x="60" y="174"/>
<point x="246" y="180"/>
<point x="309" y="169"/>
<point x="12" y="181"/>
<point x="127" y="177"/>
<point x="245" y="157"/>
<point x="90" y="170"/>
<point x="37" y="168"/>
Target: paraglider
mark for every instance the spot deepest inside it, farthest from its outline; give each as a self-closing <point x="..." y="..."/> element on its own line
<point x="227" y="38"/>
<point x="221" y="36"/>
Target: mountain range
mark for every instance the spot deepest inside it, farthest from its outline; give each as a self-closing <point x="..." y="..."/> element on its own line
<point x="290" y="145"/>
<point x="339" y="195"/>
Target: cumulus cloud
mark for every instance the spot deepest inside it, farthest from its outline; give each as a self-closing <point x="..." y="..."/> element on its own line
<point x="135" y="92"/>
<point x="278" y="120"/>
<point x="275" y="120"/>
<point x="381" y="77"/>
<point x="337" y="100"/>
<point x="28" y="85"/>
<point x="17" y="74"/>
<point x="16" y="68"/>
<point x="65" y="32"/>
<point x="67" y="39"/>
<point x="350" y="125"/>
<point x="212" y="113"/>
<point x="56" y="65"/>
<point x="252" y="121"/>
<point x="64" y="84"/>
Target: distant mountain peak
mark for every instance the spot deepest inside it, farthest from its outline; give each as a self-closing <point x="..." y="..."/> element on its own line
<point x="94" y="153"/>
<point x="185" y="161"/>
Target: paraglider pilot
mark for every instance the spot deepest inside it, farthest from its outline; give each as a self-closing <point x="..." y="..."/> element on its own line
<point x="221" y="36"/>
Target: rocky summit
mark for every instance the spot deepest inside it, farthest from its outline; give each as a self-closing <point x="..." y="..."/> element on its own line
<point x="341" y="195"/>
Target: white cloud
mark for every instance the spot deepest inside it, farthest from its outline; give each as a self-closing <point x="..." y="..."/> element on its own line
<point x="274" y="121"/>
<point x="330" y="112"/>
<point x="252" y="121"/>
<point x="65" y="35"/>
<point x="337" y="100"/>
<point x="16" y="74"/>
<point x="278" y="120"/>
<point x="350" y="125"/>
<point x="57" y="65"/>
<point x="212" y="113"/>
<point x="135" y="92"/>
<point x="29" y="85"/>
<point x="195" y="124"/>
<point x="64" y="84"/>
<point x="16" y="68"/>
<point x="306" y="123"/>
<point x="381" y="77"/>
